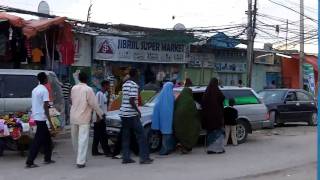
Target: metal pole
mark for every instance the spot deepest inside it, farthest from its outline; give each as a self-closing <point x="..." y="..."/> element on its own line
<point x="301" y="44"/>
<point x="287" y="34"/>
<point x="249" y="43"/>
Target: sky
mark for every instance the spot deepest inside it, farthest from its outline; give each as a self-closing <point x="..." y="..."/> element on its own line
<point x="191" y="13"/>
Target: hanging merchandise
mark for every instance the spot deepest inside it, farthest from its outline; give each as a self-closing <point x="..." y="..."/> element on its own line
<point x="37" y="54"/>
<point x="66" y="45"/>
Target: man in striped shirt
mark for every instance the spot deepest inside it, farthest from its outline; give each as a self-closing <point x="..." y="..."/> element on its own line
<point x="66" y="90"/>
<point x="130" y="118"/>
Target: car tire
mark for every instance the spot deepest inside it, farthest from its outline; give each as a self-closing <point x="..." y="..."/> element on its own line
<point x="313" y="121"/>
<point x="153" y="139"/>
<point x="242" y="131"/>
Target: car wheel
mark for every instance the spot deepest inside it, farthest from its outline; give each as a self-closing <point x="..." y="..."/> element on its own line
<point x="242" y="131"/>
<point x="153" y="139"/>
<point x="313" y="119"/>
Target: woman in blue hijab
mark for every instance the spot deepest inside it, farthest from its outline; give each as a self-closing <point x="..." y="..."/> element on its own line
<point x="162" y="118"/>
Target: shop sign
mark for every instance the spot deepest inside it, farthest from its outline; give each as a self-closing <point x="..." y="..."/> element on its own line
<point x="123" y="49"/>
<point x="268" y="60"/>
<point x="204" y="60"/>
<point x="230" y="67"/>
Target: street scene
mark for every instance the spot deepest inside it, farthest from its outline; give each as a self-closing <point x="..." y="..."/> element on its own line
<point x="152" y="90"/>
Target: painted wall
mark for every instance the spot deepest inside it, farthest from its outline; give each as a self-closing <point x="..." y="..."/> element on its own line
<point x="290" y="72"/>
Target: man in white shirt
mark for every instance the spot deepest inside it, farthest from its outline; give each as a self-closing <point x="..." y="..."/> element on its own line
<point x="83" y="102"/>
<point x="40" y="113"/>
<point x="100" y="133"/>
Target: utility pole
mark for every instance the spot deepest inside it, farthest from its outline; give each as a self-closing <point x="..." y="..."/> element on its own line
<point x="287" y="30"/>
<point x="249" y="43"/>
<point x="250" y="37"/>
<point x="301" y="74"/>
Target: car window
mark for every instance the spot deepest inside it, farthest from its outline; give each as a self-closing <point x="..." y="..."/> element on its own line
<point x="272" y="96"/>
<point x="291" y="96"/>
<point x="303" y="97"/>
<point x="19" y="86"/>
<point x="241" y="97"/>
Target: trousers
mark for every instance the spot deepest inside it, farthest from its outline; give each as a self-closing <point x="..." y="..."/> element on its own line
<point x="80" y="141"/>
<point x="42" y="138"/>
<point x="233" y="131"/>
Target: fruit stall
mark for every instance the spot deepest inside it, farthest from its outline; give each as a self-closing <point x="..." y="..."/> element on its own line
<point x="18" y="129"/>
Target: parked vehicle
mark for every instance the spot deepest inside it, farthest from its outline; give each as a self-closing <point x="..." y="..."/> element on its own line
<point x="290" y="105"/>
<point x="16" y="86"/>
<point x="253" y="114"/>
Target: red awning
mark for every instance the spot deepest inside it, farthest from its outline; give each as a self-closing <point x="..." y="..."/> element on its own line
<point x="31" y="27"/>
<point x="310" y="59"/>
<point x="14" y="20"/>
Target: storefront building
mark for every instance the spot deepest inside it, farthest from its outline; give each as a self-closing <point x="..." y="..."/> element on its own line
<point x="115" y="55"/>
<point x="36" y="44"/>
<point x="265" y="70"/>
<point x="226" y="64"/>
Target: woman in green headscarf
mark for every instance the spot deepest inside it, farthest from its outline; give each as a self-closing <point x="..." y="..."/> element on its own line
<point x="186" y="121"/>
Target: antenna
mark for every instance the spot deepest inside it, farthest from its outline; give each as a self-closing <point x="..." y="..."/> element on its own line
<point x="89" y="11"/>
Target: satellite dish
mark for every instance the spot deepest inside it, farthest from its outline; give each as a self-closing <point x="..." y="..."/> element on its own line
<point x="179" y="27"/>
<point x="43" y="8"/>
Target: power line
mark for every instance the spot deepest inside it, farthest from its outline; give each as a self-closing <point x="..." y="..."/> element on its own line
<point x="311" y="19"/>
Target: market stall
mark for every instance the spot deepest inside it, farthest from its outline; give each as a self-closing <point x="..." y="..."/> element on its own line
<point x="17" y="130"/>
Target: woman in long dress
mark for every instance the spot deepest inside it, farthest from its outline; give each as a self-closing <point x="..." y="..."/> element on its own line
<point x="187" y="122"/>
<point x="162" y="118"/>
<point x="213" y="122"/>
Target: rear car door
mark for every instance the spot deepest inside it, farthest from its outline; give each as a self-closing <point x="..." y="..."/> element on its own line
<point x="17" y="92"/>
<point x="305" y="105"/>
<point x="288" y="110"/>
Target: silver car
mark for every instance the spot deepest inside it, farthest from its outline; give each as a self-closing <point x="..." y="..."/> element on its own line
<point x="253" y="114"/>
<point x="16" y="86"/>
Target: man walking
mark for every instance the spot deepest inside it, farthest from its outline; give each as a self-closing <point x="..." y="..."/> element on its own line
<point x="100" y="132"/>
<point x="83" y="101"/>
<point x="40" y="113"/>
<point x="130" y="119"/>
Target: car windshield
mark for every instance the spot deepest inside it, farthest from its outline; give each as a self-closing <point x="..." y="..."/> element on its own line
<point x="272" y="96"/>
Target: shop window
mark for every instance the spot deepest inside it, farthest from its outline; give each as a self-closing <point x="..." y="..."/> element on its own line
<point x="19" y="86"/>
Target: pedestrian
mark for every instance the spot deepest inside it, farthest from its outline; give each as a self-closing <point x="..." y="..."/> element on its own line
<point x="230" y="118"/>
<point x="186" y="121"/>
<point x="83" y="101"/>
<point x="66" y="89"/>
<point x="188" y="83"/>
<point x="100" y="135"/>
<point x="162" y="118"/>
<point x="40" y="114"/>
<point x="240" y="83"/>
<point x="130" y="119"/>
<point x="118" y="145"/>
<point x="212" y="108"/>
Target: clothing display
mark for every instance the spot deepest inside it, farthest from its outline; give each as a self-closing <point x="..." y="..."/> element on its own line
<point x="36" y="55"/>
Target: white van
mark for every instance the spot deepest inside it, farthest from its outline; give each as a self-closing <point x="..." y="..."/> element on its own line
<point x="16" y="86"/>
